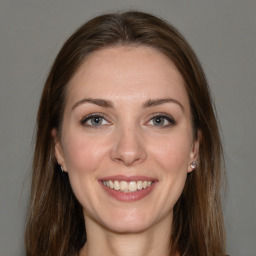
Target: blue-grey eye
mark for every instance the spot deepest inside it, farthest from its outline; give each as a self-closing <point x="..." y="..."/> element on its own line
<point x="97" y="120"/>
<point x="161" y="120"/>
<point x="94" y="120"/>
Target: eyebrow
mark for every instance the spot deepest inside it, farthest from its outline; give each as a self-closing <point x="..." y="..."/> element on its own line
<point x="99" y="102"/>
<point x="155" y="102"/>
<point x="108" y="104"/>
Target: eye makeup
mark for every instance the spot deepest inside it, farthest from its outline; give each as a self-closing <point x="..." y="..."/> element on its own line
<point x="161" y="120"/>
<point x="94" y="120"/>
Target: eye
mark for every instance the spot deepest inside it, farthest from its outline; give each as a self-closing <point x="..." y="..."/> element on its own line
<point x="94" y="120"/>
<point x="161" y="120"/>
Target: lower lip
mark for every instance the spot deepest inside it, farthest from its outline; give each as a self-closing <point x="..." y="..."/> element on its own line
<point x="130" y="196"/>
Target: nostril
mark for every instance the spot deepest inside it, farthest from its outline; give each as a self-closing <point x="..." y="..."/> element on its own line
<point x="130" y="159"/>
<point x="128" y="149"/>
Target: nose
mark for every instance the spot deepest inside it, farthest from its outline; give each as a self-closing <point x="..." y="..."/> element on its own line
<point x="128" y="147"/>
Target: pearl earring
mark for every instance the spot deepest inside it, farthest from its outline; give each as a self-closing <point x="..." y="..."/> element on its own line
<point x="193" y="164"/>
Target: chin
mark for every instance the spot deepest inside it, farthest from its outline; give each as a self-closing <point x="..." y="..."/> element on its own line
<point x="134" y="227"/>
<point x="128" y="223"/>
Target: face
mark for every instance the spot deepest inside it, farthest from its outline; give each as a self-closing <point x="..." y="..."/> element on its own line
<point x="126" y="139"/>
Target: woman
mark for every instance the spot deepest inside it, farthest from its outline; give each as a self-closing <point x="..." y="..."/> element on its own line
<point x="128" y="155"/>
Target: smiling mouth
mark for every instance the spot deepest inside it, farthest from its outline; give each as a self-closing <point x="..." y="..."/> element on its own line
<point x="127" y="187"/>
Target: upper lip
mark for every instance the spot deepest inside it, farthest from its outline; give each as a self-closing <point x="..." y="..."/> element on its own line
<point x="128" y="178"/>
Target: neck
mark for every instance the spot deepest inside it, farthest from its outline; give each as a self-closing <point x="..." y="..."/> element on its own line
<point x="150" y="242"/>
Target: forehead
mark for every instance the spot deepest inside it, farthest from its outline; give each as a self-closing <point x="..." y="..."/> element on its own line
<point x="127" y="72"/>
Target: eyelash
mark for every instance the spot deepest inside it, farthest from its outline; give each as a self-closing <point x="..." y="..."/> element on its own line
<point x="170" y="120"/>
<point x="90" y="117"/>
<point x="85" y="119"/>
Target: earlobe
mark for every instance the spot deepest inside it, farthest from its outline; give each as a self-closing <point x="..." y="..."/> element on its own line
<point x="194" y="155"/>
<point x="58" y="150"/>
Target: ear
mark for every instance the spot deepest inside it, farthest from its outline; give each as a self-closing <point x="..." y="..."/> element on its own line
<point x="58" y="150"/>
<point x="194" y="154"/>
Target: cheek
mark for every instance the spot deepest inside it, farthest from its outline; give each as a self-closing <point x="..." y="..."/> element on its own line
<point x="172" y="156"/>
<point x="83" y="154"/>
<point x="173" y="153"/>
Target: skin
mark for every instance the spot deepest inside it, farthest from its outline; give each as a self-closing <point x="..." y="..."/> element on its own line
<point x="128" y="141"/>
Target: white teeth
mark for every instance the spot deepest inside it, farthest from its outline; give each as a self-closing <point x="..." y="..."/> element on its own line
<point x="125" y="186"/>
<point x="132" y="186"/>
<point x="139" y="185"/>
<point x="144" y="184"/>
<point x="111" y="184"/>
<point x="116" y="185"/>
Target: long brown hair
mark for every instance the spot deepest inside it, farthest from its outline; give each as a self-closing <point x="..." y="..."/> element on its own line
<point x="55" y="223"/>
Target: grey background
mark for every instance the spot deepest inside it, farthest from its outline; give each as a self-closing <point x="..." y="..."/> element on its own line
<point x="223" y="34"/>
